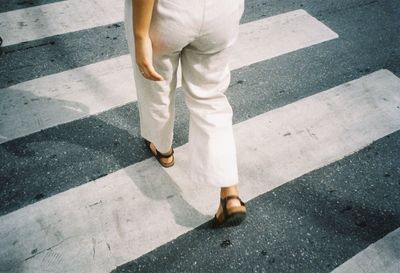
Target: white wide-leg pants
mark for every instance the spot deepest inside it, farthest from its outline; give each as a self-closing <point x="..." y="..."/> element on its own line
<point x="198" y="32"/>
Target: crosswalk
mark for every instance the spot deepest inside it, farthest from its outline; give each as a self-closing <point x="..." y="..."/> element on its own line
<point x="101" y="86"/>
<point x="122" y="215"/>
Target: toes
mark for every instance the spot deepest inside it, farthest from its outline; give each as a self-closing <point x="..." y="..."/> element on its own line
<point x="167" y="160"/>
<point x="233" y="203"/>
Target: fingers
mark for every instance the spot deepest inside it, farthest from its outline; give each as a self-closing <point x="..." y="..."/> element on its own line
<point x="150" y="73"/>
<point x="143" y="55"/>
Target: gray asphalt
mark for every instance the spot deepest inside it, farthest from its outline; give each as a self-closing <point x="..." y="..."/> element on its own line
<point x="51" y="161"/>
<point x="311" y="224"/>
<point x="355" y="19"/>
<point x="7" y="5"/>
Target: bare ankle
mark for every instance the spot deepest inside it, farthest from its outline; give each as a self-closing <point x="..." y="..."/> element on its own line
<point x="226" y="191"/>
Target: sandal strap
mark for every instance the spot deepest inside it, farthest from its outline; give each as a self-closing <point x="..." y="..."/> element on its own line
<point x="225" y="200"/>
<point x="165" y="156"/>
<point x="160" y="155"/>
<point x="229" y="197"/>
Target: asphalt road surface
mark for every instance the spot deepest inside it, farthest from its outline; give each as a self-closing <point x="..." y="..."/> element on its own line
<point x="315" y="91"/>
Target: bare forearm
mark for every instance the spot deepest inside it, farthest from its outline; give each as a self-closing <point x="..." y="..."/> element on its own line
<point x="141" y="13"/>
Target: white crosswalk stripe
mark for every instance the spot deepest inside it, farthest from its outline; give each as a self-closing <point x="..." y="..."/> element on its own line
<point x="117" y="218"/>
<point x="382" y="256"/>
<point x="122" y="212"/>
<point x="37" y="104"/>
<point x="29" y="24"/>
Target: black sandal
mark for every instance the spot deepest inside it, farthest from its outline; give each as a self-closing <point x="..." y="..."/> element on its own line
<point x="232" y="216"/>
<point x="159" y="155"/>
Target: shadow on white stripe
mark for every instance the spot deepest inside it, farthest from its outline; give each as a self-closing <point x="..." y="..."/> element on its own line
<point x="38" y="104"/>
<point x="117" y="218"/>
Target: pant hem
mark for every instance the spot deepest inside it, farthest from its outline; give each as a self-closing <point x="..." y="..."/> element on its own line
<point x="219" y="182"/>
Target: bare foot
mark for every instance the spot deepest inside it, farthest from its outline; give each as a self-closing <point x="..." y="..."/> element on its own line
<point x="227" y="191"/>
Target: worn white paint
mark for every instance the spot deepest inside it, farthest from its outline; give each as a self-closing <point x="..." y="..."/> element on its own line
<point x="42" y="21"/>
<point x="119" y="217"/>
<point x="380" y="257"/>
<point x="41" y="103"/>
<point x="274" y="36"/>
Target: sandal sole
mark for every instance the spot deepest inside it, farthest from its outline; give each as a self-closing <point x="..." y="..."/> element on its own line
<point x="233" y="220"/>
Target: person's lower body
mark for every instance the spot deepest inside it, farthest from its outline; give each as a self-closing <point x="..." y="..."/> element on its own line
<point x="198" y="33"/>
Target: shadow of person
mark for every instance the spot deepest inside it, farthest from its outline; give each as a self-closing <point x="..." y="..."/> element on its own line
<point x="79" y="151"/>
<point x="65" y="153"/>
<point x="155" y="183"/>
<point x="24" y="113"/>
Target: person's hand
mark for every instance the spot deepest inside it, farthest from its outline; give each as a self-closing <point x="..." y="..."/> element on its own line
<point x="144" y="56"/>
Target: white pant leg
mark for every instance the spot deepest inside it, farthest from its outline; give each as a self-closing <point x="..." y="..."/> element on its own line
<point x="205" y="78"/>
<point x="156" y="99"/>
<point x="200" y="31"/>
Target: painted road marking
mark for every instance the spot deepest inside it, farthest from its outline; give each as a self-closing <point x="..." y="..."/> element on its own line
<point x="42" y="21"/>
<point x="379" y="257"/>
<point x="121" y="216"/>
<point x="41" y="103"/>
